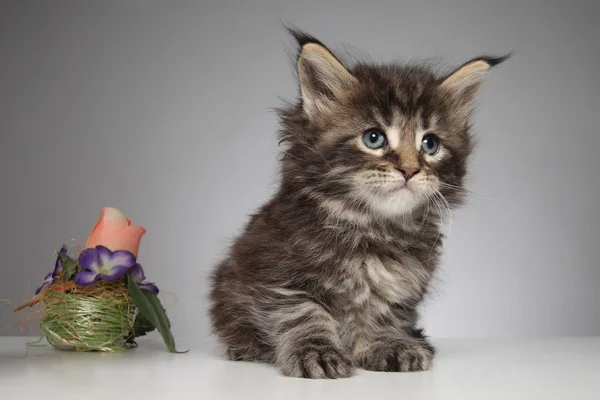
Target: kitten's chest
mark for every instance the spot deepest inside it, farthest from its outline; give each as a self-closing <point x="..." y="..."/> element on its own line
<point x="372" y="282"/>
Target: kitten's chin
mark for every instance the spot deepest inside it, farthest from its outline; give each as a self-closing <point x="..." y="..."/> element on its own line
<point x="390" y="205"/>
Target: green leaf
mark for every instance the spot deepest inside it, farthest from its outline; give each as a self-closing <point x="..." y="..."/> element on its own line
<point x="142" y="326"/>
<point x="69" y="266"/>
<point x="150" y="307"/>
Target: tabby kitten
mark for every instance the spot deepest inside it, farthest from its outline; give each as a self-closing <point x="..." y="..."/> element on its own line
<point x="328" y="275"/>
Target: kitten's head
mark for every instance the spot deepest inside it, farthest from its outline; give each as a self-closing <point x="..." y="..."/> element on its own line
<point x="378" y="140"/>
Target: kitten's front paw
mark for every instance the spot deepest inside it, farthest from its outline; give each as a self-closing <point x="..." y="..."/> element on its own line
<point x="315" y="362"/>
<point x="398" y="356"/>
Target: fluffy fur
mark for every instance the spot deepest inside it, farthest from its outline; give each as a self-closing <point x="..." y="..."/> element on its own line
<point x="328" y="275"/>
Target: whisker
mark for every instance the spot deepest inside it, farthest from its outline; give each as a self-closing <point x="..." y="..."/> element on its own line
<point x="470" y="191"/>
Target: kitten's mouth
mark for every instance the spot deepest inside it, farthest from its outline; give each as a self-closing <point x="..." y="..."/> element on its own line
<point x="401" y="187"/>
<point x="405" y="191"/>
<point x="398" y="189"/>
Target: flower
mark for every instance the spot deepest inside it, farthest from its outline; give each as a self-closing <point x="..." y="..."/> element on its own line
<point x="46" y="283"/>
<point x="104" y="264"/>
<point x="115" y="232"/>
<point x="137" y="274"/>
<point x="50" y="278"/>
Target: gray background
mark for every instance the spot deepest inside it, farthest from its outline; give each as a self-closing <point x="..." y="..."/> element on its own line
<point x="163" y="109"/>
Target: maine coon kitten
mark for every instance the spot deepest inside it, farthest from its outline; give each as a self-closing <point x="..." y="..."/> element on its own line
<point x="328" y="275"/>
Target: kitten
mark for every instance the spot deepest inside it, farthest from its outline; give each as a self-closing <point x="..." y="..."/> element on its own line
<point x="328" y="275"/>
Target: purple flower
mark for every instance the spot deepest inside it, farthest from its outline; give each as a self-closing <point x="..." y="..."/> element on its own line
<point x="58" y="267"/>
<point x="101" y="263"/>
<point x="46" y="283"/>
<point x="137" y="274"/>
<point x="50" y="278"/>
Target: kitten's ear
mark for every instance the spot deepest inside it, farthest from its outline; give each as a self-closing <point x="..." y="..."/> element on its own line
<point x="323" y="78"/>
<point x="462" y="84"/>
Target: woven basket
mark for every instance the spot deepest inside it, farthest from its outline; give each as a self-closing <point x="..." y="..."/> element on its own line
<point x="94" y="318"/>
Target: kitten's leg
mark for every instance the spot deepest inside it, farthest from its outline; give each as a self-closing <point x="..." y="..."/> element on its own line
<point x="307" y="343"/>
<point x="396" y="349"/>
<point x="247" y="346"/>
<point x="233" y="318"/>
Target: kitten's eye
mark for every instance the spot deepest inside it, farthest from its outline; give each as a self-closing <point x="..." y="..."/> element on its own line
<point x="430" y="144"/>
<point x="374" y="139"/>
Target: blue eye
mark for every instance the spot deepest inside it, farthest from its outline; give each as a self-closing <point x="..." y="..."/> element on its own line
<point x="374" y="139"/>
<point x="430" y="144"/>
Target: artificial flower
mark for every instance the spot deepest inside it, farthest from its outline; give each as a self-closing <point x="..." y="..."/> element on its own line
<point x="115" y="232"/>
<point x="101" y="263"/>
<point x="50" y="278"/>
<point x="46" y="283"/>
<point x="137" y="274"/>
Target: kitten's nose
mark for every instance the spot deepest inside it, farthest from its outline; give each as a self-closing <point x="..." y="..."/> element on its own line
<point x="408" y="172"/>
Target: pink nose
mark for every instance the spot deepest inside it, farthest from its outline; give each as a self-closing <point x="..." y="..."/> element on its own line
<point x="408" y="172"/>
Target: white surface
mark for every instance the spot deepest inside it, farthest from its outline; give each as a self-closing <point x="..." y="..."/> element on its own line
<point x="485" y="369"/>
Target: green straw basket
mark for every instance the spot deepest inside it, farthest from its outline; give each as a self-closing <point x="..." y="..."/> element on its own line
<point x="95" y="318"/>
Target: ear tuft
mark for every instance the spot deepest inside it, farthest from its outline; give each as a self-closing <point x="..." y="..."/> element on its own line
<point x="302" y="38"/>
<point x="495" y="60"/>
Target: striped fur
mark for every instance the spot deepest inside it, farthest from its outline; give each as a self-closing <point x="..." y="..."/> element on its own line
<point x="327" y="276"/>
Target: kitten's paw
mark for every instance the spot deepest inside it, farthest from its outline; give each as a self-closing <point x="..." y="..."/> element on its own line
<point x="316" y="362"/>
<point x="398" y="356"/>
